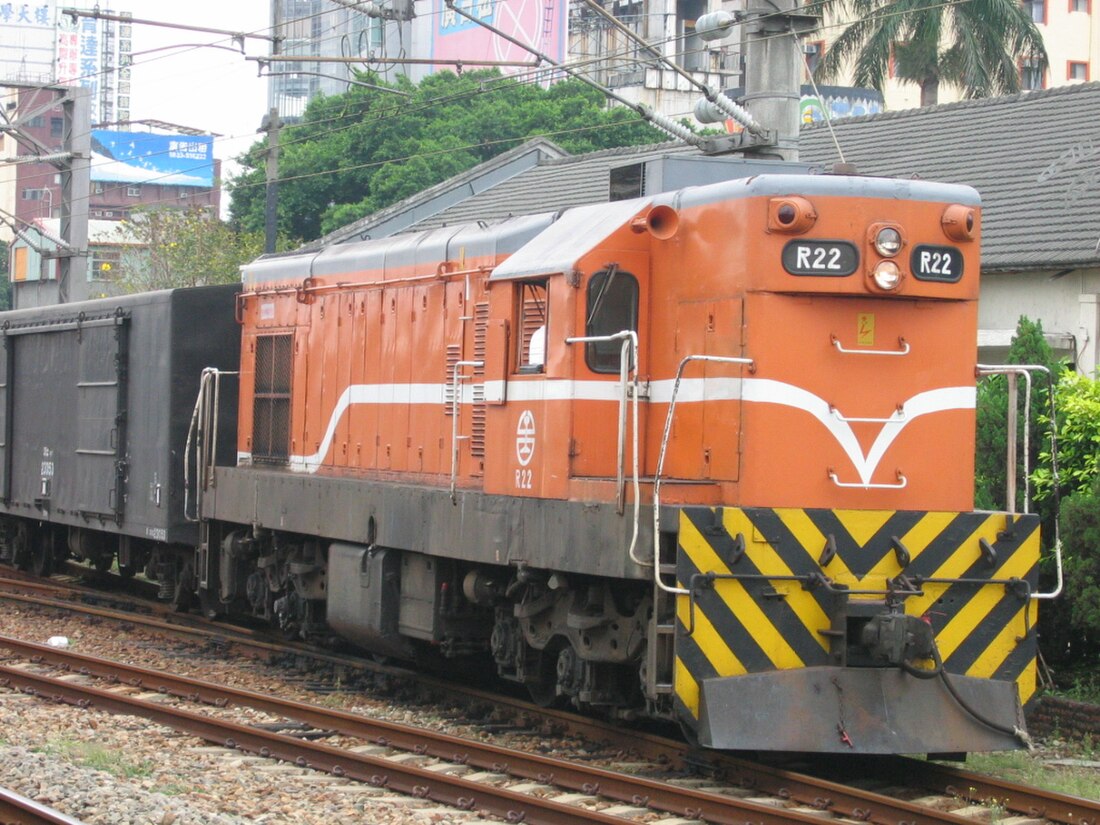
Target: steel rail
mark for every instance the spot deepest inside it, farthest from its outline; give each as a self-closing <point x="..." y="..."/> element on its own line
<point x="18" y="810"/>
<point x="974" y="787"/>
<point x="820" y="793"/>
<point x="453" y="791"/>
<point x="616" y="786"/>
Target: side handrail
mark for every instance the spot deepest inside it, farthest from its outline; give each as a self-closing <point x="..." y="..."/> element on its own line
<point x="1012" y="371"/>
<point x="719" y="359"/>
<point x="456" y="377"/>
<point x="202" y="439"/>
<point x="628" y="363"/>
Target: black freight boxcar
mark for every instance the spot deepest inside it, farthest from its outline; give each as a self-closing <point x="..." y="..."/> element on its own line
<point x="95" y="405"/>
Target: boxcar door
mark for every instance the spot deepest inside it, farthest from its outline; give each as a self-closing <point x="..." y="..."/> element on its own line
<point x="101" y="416"/>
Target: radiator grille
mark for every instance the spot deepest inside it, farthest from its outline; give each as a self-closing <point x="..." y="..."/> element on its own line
<point x="271" y="399"/>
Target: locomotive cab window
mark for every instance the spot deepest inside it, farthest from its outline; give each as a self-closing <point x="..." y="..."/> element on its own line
<point x="531" y="318"/>
<point x="612" y="306"/>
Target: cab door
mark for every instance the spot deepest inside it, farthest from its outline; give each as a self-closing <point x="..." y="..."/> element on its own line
<point x="611" y="300"/>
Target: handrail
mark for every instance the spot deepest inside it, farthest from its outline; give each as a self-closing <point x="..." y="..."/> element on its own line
<point x="902" y="482"/>
<point x="893" y="419"/>
<point x="1025" y="370"/>
<point x="661" y="462"/>
<point x="204" y="419"/>
<point x="626" y="366"/>
<point x="840" y="348"/>
<point x="455" y="378"/>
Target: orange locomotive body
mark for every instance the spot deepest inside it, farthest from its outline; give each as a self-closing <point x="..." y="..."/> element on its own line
<point x="706" y="455"/>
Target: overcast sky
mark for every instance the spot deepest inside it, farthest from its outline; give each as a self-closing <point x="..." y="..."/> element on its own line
<point x="206" y="88"/>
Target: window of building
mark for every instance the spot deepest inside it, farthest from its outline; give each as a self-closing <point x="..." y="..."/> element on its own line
<point x="1081" y="5"/>
<point x="31" y="194"/>
<point x="1032" y="76"/>
<point x="97" y="187"/>
<point x="1077" y="71"/>
<point x="106" y="264"/>
<point x="133" y="191"/>
<point x="612" y="306"/>
<point x="531" y="319"/>
<point x="271" y="398"/>
<point x="37" y="121"/>
<point x="1037" y="9"/>
<point x="815" y="51"/>
<point x="57" y="126"/>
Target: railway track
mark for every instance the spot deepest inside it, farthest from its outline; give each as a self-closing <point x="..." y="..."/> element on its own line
<point x="557" y="778"/>
<point x="18" y="810"/>
<point x="809" y="796"/>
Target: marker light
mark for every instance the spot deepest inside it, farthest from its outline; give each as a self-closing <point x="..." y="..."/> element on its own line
<point x="886" y="275"/>
<point x="959" y="222"/>
<point x="888" y="242"/>
<point x="790" y="215"/>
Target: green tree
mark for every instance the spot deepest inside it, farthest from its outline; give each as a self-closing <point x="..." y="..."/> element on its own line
<point x="976" y="45"/>
<point x="1077" y="401"/>
<point x="184" y="247"/>
<point x="1028" y="347"/>
<point x="361" y="151"/>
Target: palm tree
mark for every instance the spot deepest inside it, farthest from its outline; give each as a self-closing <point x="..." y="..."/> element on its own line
<point x="976" y="45"/>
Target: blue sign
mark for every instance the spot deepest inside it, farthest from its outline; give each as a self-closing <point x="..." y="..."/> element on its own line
<point x="141" y="157"/>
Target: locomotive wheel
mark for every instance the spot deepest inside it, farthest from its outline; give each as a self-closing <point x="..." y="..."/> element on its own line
<point x="544" y="690"/>
<point x="183" y="596"/>
<point x="21" y="548"/>
<point x="42" y="554"/>
<point x="103" y="562"/>
<point x="127" y="571"/>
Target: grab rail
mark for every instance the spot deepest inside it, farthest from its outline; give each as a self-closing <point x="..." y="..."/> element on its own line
<point x="1012" y="371"/>
<point x="456" y="376"/>
<point x="628" y="388"/>
<point x="202" y="439"/>
<point x="720" y="359"/>
<point x="841" y="348"/>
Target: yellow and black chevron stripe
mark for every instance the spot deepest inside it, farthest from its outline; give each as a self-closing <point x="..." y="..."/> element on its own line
<point x="974" y="571"/>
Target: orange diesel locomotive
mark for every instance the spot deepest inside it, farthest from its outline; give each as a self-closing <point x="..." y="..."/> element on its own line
<point x="706" y="455"/>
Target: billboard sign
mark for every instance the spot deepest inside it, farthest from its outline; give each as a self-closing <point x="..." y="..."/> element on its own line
<point x="143" y="157"/>
<point x="540" y="24"/>
<point x="27" y="41"/>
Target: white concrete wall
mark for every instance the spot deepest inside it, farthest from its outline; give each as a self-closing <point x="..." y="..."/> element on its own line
<point x="1067" y="305"/>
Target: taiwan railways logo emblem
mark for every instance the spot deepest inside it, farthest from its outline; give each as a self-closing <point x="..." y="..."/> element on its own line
<point x="525" y="438"/>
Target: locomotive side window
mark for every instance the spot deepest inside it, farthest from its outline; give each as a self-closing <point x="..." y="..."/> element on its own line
<point x="531" y="316"/>
<point x="271" y="399"/>
<point x="612" y="307"/>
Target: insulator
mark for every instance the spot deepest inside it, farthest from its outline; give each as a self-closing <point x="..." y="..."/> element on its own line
<point x="715" y="25"/>
<point x="707" y="111"/>
<point x="675" y="129"/>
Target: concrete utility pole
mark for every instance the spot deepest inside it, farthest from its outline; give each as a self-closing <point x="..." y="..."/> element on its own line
<point x="773" y="69"/>
<point x="772" y="31"/>
<point x="73" y="163"/>
<point x="271" y="124"/>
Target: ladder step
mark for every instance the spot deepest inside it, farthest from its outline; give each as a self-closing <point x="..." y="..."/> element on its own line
<point x="667" y="569"/>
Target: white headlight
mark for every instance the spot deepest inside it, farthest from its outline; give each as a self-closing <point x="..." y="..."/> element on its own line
<point x="888" y="242"/>
<point x="887" y="275"/>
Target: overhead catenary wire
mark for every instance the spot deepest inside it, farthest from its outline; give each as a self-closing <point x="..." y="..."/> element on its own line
<point x="531" y="74"/>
